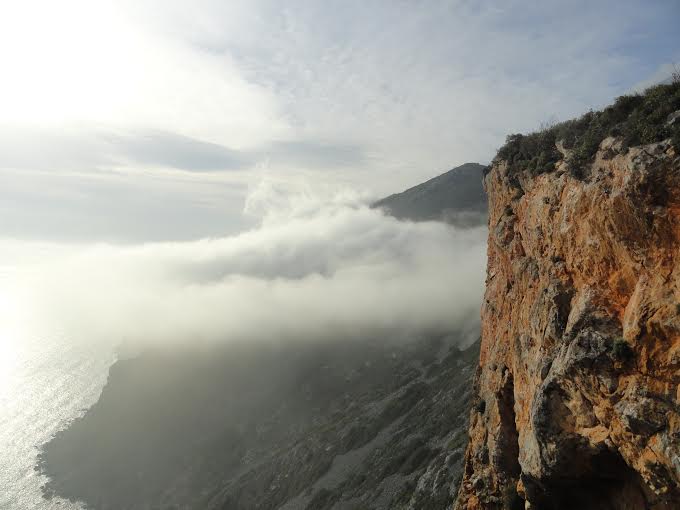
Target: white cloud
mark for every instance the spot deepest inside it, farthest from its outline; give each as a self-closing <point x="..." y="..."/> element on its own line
<point x="308" y="273"/>
<point x="120" y="206"/>
<point x="379" y="95"/>
<point x="423" y="87"/>
<point x="90" y="64"/>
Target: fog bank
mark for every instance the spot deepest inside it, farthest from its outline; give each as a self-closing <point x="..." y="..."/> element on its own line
<point x="315" y="268"/>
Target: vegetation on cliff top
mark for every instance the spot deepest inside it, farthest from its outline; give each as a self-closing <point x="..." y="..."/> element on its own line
<point x="635" y="119"/>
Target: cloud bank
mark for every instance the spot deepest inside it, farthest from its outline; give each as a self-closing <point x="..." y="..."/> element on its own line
<point x="314" y="269"/>
<point x="376" y="95"/>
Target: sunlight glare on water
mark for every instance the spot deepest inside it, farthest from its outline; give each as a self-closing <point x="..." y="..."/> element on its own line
<point x="45" y="382"/>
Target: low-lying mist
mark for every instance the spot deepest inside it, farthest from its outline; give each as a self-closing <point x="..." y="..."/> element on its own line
<point x="315" y="269"/>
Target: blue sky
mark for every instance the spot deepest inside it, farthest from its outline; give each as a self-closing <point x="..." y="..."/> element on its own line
<point x="147" y="120"/>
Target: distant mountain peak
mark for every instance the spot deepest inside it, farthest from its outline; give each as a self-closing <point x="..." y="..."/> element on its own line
<point x="456" y="197"/>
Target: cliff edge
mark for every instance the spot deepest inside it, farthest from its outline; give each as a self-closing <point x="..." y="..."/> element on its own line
<point x="577" y="393"/>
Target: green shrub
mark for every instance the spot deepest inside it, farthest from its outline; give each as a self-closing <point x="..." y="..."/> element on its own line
<point x="636" y="119"/>
<point x="675" y="139"/>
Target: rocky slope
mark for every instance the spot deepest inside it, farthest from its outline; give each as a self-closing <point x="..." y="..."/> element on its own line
<point x="347" y="425"/>
<point x="577" y="395"/>
<point x="456" y="196"/>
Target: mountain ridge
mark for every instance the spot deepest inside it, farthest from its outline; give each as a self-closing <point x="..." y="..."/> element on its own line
<point x="456" y="197"/>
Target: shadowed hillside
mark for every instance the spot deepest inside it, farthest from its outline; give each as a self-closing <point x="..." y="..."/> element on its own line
<point x="456" y="197"/>
<point x="338" y="425"/>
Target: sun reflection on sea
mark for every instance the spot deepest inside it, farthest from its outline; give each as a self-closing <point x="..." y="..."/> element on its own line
<point x="46" y="380"/>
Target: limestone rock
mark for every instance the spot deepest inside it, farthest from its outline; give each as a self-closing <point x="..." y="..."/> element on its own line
<point x="580" y="355"/>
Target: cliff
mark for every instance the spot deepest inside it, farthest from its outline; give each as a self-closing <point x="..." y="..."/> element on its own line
<point x="577" y="391"/>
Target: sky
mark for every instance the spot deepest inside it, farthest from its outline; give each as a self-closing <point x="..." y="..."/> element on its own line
<point x="134" y="121"/>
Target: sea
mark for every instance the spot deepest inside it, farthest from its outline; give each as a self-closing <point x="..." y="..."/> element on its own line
<point x="45" y="382"/>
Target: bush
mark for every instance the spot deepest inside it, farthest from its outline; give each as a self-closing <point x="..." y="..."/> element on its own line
<point x="636" y="119"/>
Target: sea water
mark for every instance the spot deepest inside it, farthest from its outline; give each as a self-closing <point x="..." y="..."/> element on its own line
<point x="45" y="382"/>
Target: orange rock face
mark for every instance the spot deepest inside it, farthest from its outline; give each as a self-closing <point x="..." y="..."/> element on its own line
<point x="578" y="396"/>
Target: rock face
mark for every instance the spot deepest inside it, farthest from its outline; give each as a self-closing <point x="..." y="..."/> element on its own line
<point x="577" y="394"/>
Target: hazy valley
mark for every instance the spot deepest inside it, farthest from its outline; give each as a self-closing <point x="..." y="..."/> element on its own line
<point x="366" y="422"/>
<point x="233" y="276"/>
